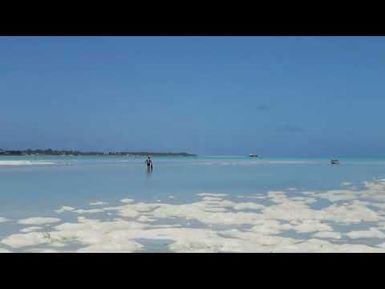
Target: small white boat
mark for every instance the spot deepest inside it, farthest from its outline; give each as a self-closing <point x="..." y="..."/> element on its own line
<point x="253" y="155"/>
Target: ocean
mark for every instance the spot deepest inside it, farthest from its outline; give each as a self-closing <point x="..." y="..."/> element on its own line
<point x="191" y="204"/>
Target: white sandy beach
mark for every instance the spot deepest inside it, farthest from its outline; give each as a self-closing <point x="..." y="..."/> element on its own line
<point x="23" y="163"/>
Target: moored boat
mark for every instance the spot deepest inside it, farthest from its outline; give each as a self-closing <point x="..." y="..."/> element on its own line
<point x="334" y="162"/>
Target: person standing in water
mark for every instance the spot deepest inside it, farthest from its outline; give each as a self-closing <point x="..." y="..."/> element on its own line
<point x="149" y="163"/>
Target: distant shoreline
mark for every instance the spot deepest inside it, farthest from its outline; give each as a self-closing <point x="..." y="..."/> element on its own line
<point x="50" y="152"/>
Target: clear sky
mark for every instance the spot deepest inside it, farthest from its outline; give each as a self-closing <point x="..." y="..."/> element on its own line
<point x="275" y="96"/>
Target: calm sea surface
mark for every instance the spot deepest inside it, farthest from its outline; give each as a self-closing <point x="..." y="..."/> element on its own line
<point x="36" y="186"/>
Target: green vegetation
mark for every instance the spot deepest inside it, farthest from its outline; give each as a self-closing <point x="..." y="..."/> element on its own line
<point x="50" y="152"/>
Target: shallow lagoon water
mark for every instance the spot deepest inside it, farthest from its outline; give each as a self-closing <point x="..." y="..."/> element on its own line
<point x="38" y="186"/>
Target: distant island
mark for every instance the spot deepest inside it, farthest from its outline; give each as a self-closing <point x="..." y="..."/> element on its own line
<point x="50" y="152"/>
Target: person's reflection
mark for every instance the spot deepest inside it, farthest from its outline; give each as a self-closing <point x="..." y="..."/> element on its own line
<point x="148" y="175"/>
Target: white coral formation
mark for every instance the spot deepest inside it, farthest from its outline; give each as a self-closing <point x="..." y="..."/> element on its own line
<point x="38" y="221"/>
<point x="64" y="209"/>
<point x="217" y="223"/>
<point x="3" y="220"/>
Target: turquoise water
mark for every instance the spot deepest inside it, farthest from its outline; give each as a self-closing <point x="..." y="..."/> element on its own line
<point x="45" y="184"/>
<point x="37" y="189"/>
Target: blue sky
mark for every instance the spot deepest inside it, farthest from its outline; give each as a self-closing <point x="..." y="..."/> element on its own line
<point x="275" y="96"/>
